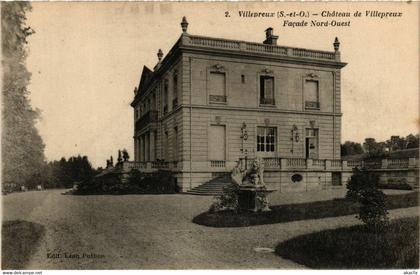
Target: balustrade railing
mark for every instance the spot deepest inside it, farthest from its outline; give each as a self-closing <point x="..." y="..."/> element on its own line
<point x="276" y="163"/>
<point x="267" y="101"/>
<point x="318" y="163"/>
<point x="397" y="163"/>
<point x="313" y="54"/>
<point x="372" y="164"/>
<point x="271" y="162"/>
<point x="160" y="164"/>
<point x="296" y="163"/>
<point x="252" y="47"/>
<point x="336" y="163"/>
<point x="354" y="163"/>
<point x="135" y="164"/>
<point x="214" y="42"/>
<point x="218" y="163"/>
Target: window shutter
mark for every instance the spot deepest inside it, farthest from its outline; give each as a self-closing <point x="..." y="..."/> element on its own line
<point x="311" y="90"/>
<point x="268" y="88"/>
<point x="217" y="84"/>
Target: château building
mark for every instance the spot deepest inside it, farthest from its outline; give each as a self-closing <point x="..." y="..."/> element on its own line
<point x="210" y="102"/>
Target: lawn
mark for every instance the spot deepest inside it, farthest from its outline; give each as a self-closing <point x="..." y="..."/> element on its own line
<point x="19" y="240"/>
<point x="296" y="212"/>
<point x="357" y="248"/>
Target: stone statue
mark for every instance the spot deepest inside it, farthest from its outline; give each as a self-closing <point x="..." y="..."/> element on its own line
<point x="237" y="175"/>
<point x="119" y="157"/>
<point x="125" y="155"/>
<point x="250" y="184"/>
<point x="255" y="174"/>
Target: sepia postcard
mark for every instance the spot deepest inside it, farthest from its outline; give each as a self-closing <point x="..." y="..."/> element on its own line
<point x="210" y="136"/>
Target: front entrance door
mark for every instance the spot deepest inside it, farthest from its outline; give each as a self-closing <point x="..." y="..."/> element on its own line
<point x="217" y="142"/>
<point x="311" y="144"/>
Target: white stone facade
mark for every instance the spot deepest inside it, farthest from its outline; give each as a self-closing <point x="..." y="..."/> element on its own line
<point x="193" y="109"/>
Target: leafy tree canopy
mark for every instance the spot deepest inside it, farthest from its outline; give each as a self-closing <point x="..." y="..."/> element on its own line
<point x="22" y="146"/>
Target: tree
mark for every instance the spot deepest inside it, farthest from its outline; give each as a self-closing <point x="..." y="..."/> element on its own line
<point x="396" y="143"/>
<point x="351" y="148"/>
<point x="64" y="173"/>
<point x="412" y="141"/>
<point x="373" y="148"/>
<point x="22" y="146"/>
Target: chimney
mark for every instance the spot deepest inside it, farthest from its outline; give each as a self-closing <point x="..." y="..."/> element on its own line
<point x="159" y="55"/>
<point x="270" y="38"/>
<point x="184" y="24"/>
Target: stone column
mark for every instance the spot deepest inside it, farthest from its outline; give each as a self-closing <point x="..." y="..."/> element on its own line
<point x="327" y="164"/>
<point x="412" y="162"/>
<point x="152" y="146"/>
<point x="141" y="149"/>
<point x="136" y="149"/>
<point x="344" y="165"/>
<point x="309" y="163"/>
<point x="147" y="147"/>
<point x="283" y="164"/>
<point x="384" y="164"/>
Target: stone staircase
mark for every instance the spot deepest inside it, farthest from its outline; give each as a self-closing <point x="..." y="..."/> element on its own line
<point x="213" y="187"/>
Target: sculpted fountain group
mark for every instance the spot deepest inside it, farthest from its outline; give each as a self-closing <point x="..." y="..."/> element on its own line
<point x="247" y="190"/>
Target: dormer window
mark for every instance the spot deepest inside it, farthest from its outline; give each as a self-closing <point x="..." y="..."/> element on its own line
<point x="267" y="90"/>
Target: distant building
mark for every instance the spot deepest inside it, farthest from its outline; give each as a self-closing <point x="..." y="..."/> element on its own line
<point x="210" y="102"/>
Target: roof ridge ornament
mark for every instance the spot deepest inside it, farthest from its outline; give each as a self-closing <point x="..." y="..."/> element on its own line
<point x="184" y="24"/>
<point x="160" y="55"/>
<point x="336" y="44"/>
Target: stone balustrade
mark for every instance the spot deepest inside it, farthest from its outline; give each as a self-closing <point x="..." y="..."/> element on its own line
<point x="280" y="164"/>
<point x="250" y="47"/>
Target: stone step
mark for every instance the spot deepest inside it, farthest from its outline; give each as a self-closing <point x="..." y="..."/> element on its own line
<point x="201" y="194"/>
<point x="211" y="188"/>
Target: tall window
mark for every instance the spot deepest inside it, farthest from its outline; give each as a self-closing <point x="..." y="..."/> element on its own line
<point x="311" y="94"/>
<point x="149" y="107"/>
<point x="266" y="139"/>
<point x="165" y="96"/>
<point x="175" y="143"/>
<point x="267" y="90"/>
<point x="175" y="97"/>
<point x="217" y="87"/>
<point x="153" y="104"/>
<point x="165" y="146"/>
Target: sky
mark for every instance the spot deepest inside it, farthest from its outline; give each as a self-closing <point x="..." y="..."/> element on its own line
<point x="86" y="59"/>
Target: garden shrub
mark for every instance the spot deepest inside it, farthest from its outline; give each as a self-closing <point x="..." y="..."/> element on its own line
<point x="228" y="200"/>
<point x="398" y="184"/>
<point x="363" y="188"/>
<point x="161" y="182"/>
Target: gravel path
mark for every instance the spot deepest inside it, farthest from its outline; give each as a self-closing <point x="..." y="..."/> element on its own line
<point x="154" y="232"/>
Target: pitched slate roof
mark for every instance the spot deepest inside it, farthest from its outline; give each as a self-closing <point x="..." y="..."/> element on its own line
<point x="146" y="76"/>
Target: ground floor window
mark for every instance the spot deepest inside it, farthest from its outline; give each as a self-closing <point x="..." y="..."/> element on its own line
<point x="266" y="139"/>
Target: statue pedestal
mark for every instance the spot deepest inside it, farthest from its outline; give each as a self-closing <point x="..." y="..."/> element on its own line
<point x="253" y="198"/>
